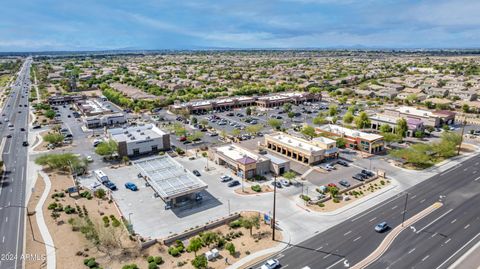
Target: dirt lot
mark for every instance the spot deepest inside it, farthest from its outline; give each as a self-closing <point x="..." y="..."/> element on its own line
<point x="34" y="241"/>
<point x="75" y="247"/>
<point x="365" y="190"/>
<point x="43" y="145"/>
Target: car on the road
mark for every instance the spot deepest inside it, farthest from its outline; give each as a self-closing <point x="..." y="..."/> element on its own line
<point x="381" y="227"/>
<point x="22" y="129"/>
<point x="6" y="119"/>
<point x="359" y="177"/>
<point x="131" y="186"/>
<point x="25" y="144"/>
<point x="342" y="163"/>
<point x="89" y="158"/>
<point x="110" y="185"/>
<point x="233" y="183"/>
<point x="195" y="172"/>
<point x="277" y="184"/>
<point x="271" y="264"/>
<point x="344" y="183"/>
<point x="9" y="135"/>
<point x="285" y="182"/>
<point x="226" y="178"/>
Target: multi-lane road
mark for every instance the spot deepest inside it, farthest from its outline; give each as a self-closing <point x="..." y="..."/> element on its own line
<point x="13" y="182"/>
<point x="435" y="241"/>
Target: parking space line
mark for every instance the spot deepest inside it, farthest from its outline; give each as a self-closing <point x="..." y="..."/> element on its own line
<point x="326" y="256"/>
<point x="357" y="238"/>
<point x="347" y="233"/>
<point x="372" y="219"/>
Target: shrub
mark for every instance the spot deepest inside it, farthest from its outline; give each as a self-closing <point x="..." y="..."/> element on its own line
<point x="173" y="251"/>
<point x="221" y="242"/>
<point x="52" y="206"/>
<point x="90" y="263"/>
<point x="69" y="210"/>
<point x="336" y="200"/>
<point x="306" y="198"/>
<point x="256" y="188"/>
<point x="100" y="193"/>
<point x="130" y="266"/>
<point x="158" y="260"/>
<point x="152" y="265"/>
<point x="382" y="182"/>
<point x="200" y="262"/>
<point x="321" y="204"/>
<point x="115" y="223"/>
<point x="236" y="223"/>
<point x="150" y="259"/>
<point x="231" y="248"/>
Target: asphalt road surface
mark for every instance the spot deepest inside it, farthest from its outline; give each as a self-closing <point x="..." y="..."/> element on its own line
<point x="13" y="182"/>
<point x="435" y="241"/>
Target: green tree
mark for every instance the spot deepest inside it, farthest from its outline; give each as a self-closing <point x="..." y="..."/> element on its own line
<point x="248" y="111"/>
<point x="402" y="127"/>
<point x="291" y="115"/>
<point x="362" y="120"/>
<point x="195" y="136"/>
<point x="332" y="110"/>
<point x="309" y="131"/>
<point x="333" y="191"/>
<point x="50" y="114"/>
<point x="250" y="222"/>
<point x="466" y="108"/>
<point x="348" y="117"/>
<point x="289" y="175"/>
<point x="193" y="120"/>
<point x="287" y="107"/>
<point x="231" y="248"/>
<point x="274" y="123"/>
<point x="62" y="161"/>
<point x="319" y="120"/>
<point x="53" y="138"/>
<point x="204" y="123"/>
<point x="391" y="137"/>
<point x="254" y="129"/>
<point x="236" y="132"/>
<point x="200" y="262"/>
<point x="195" y="245"/>
<point x="385" y="128"/>
<point x="107" y="148"/>
<point x="209" y="238"/>
<point x="341" y="142"/>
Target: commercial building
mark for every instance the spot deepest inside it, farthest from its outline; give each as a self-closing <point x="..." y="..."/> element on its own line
<point x="92" y="107"/>
<point x="170" y="180"/>
<point x="301" y="150"/>
<point x="245" y="163"/>
<point x="65" y="99"/>
<point x="138" y="140"/>
<point x="245" y="101"/>
<point x="429" y="118"/>
<point x="366" y="142"/>
<point x="105" y="120"/>
<point x="413" y="124"/>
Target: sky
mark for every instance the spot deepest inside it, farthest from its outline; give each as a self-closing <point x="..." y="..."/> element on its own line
<point x="58" y="25"/>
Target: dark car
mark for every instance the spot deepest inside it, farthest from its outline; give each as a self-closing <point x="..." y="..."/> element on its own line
<point x="25" y="143"/>
<point x="110" y="185"/>
<point x="131" y="186"/>
<point x="277" y="183"/>
<point x="234" y="183"/>
<point x="22" y="129"/>
<point x="342" y="163"/>
<point x="367" y="173"/>
<point x="344" y="183"/>
<point x="195" y="172"/>
<point x="9" y="135"/>
<point x="359" y="177"/>
<point x="36" y="127"/>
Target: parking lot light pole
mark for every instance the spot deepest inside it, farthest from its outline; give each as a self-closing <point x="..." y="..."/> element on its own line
<point x="274" y="205"/>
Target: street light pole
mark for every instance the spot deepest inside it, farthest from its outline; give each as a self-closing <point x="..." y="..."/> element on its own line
<point x="274" y="205"/>
<point x="461" y="138"/>
<point x="405" y="208"/>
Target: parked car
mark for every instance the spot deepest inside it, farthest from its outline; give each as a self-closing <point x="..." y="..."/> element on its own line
<point x="359" y="177"/>
<point x="195" y="172"/>
<point x="342" y="163"/>
<point x="381" y="227"/>
<point x="367" y="173"/>
<point x="332" y="185"/>
<point x="285" y="182"/>
<point x="344" y="183"/>
<point x="271" y="264"/>
<point x="110" y="185"/>
<point x="89" y="158"/>
<point x="234" y="183"/>
<point x="277" y="183"/>
<point x="95" y="185"/>
<point x="131" y="186"/>
<point x="226" y="178"/>
<point x="25" y="143"/>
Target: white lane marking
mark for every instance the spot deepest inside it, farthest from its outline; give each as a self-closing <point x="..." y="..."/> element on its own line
<point x="476" y="179"/>
<point x="446" y="242"/>
<point x="339" y="261"/>
<point x="347" y="233"/>
<point x="456" y="252"/>
<point x="453" y="221"/>
<point x="6" y="219"/>
<point x="372" y="219"/>
<point x="433" y="235"/>
<point x="425" y="258"/>
<point x="412" y="250"/>
<point x="466" y="227"/>
<point x="285" y="266"/>
<point x="373" y="209"/>
<point x="393" y="208"/>
<point x="319" y="248"/>
<point x="465" y="169"/>
<point x="3" y="239"/>
<point x="357" y="238"/>
<point x="326" y="256"/>
<point x="413" y="197"/>
<point x="422" y="201"/>
<point x="426" y="226"/>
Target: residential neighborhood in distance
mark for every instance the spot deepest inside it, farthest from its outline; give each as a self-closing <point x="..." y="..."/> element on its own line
<point x="202" y="134"/>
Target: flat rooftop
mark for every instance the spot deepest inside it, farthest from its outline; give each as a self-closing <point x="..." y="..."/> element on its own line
<point x="169" y="178"/>
<point x="136" y="133"/>
<point x="349" y="132"/>
<point x="415" y="111"/>
<point x="235" y="152"/>
<point x="295" y="142"/>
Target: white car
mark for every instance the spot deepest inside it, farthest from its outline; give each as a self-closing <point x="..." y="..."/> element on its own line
<point x="271" y="264"/>
<point x="89" y="158"/>
<point x="285" y="182"/>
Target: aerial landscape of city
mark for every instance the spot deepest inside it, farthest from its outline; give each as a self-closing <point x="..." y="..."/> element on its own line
<point x="303" y="134"/>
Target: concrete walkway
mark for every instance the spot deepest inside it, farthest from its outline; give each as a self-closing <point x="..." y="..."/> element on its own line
<point x="42" y="226"/>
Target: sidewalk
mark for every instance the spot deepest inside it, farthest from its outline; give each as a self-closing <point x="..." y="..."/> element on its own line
<point x="42" y="226"/>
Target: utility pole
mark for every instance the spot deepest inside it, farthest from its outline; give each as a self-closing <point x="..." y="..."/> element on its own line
<point x="461" y="138"/>
<point x="405" y="208"/>
<point x="274" y="205"/>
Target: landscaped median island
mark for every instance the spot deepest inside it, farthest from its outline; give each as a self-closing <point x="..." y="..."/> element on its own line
<point x="331" y="198"/>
